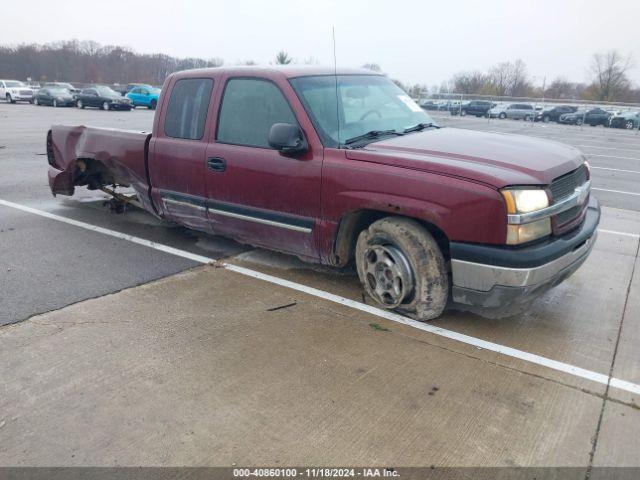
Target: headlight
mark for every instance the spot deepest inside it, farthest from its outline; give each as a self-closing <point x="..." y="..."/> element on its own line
<point x="525" y="200"/>
<point x="522" y="201"/>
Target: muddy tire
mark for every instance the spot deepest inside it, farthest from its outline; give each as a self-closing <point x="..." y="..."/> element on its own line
<point x="402" y="268"/>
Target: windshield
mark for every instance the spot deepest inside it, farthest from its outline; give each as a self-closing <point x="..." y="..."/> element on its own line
<point x="13" y="84"/>
<point x="365" y="103"/>
<point x="107" y="92"/>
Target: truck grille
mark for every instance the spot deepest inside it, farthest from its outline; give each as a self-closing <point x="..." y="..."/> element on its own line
<point x="26" y="93"/>
<point x="564" y="186"/>
<point x="561" y="188"/>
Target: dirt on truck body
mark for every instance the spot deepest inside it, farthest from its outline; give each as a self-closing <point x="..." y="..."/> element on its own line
<point x="430" y="216"/>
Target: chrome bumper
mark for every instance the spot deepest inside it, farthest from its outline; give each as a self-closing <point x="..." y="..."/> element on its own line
<point x="497" y="286"/>
<point x="483" y="278"/>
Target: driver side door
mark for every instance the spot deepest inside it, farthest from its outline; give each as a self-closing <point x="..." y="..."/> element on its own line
<point x="256" y="194"/>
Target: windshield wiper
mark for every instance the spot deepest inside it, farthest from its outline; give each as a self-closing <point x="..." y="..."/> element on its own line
<point x="371" y="134"/>
<point x="419" y="127"/>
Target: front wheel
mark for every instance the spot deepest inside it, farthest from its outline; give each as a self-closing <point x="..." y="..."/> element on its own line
<point x="79" y="104"/>
<point x="402" y="267"/>
<point x="9" y="99"/>
<point x="55" y="103"/>
<point x="502" y="116"/>
<point x="579" y="121"/>
<point x="153" y="105"/>
<point x="629" y="125"/>
<point x="105" y="106"/>
<point x="35" y="102"/>
<point x="463" y="113"/>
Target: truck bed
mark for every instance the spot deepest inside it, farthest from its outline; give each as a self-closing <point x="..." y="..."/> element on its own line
<point x="97" y="157"/>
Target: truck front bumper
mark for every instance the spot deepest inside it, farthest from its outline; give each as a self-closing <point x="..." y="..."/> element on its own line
<point x="498" y="277"/>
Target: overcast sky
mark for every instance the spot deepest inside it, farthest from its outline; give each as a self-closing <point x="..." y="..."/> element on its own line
<point x="416" y="41"/>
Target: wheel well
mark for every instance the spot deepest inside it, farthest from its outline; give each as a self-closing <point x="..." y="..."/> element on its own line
<point x="352" y="223"/>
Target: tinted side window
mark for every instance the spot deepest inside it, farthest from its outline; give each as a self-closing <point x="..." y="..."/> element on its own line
<point x="249" y="108"/>
<point x="188" y="105"/>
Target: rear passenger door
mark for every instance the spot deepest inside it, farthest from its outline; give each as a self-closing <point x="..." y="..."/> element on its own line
<point x="177" y="153"/>
<point x="255" y="193"/>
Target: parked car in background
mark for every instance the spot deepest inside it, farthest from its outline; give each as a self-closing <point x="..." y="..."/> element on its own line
<point x="54" y="96"/>
<point x="144" y="96"/>
<point x="429" y="105"/>
<point x="520" y="111"/>
<point x="102" y="97"/>
<point x="65" y="85"/>
<point x="628" y="120"/>
<point x="593" y="117"/>
<point x="552" y="113"/>
<point x="479" y="108"/>
<point x="517" y="111"/>
<point x="15" y="91"/>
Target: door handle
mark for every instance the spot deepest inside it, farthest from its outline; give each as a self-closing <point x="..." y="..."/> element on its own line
<point x="216" y="164"/>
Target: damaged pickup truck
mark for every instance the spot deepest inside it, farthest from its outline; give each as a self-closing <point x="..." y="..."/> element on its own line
<point x="345" y="167"/>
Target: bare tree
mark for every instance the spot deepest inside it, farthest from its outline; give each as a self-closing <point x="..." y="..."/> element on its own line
<point x="610" y="80"/>
<point x="562" y="89"/>
<point x="283" y="58"/>
<point x="90" y="62"/>
<point x="470" y="82"/>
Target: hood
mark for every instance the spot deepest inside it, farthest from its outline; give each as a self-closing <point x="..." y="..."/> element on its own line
<point x="495" y="159"/>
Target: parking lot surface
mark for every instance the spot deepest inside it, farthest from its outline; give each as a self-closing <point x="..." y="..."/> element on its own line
<point x="124" y="352"/>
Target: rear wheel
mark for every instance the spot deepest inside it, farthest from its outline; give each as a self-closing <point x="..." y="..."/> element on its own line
<point x="9" y="99"/>
<point x="153" y="105"/>
<point x="55" y="103"/>
<point x="79" y="104"/>
<point x="35" y="101"/>
<point x="545" y="119"/>
<point x="527" y="118"/>
<point x="402" y="267"/>
<point x="579" y="121"/>
<point x="463" y="113"/>
<point x="105" y="106"/>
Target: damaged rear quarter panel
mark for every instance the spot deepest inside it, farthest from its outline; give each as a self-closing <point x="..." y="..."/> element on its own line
<point x="121" y="152"/>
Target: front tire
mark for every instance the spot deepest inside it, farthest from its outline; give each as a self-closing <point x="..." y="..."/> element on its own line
<point x="54" y="103"/>
<point x="9" y="99"/>
<point x="79" y="104"/>
<point x="35" y="102"/>
<point x="105" y="106"/>
<point x="502" y="116"/>
<point x="579" y="121"/>
<point x="153" y="105"/>
<point x="629" y="125"/>
<point x="402" y="267"/>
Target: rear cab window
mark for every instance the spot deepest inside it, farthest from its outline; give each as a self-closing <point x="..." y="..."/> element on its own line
<point x="188" y="106"/>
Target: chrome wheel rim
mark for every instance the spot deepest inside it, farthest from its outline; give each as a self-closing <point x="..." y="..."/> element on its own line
<point x="55" y="103"/>
<point x="79" y="104"/>
<point x="629" y="125"/>
<point x="105" y="106"/>
<point x="387" y="274"/>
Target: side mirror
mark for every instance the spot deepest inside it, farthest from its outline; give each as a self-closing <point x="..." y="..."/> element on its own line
<point x="287" y="138"/>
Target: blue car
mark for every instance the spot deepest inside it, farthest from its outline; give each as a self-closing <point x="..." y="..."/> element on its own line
<point x="144" y="96"/>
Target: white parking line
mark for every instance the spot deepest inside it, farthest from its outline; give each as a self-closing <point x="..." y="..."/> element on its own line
<point x="616" y="191"/>
<point x="394" y="317"/>
<point x="613" y="169"/>
<point x="611" y="156"/>
<point x="608" y="148"/>
<point x="615" y="232"/>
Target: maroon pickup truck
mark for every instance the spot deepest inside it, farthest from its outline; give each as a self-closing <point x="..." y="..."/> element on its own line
<point x="345" y="167"/>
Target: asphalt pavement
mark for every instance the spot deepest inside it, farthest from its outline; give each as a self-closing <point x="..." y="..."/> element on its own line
<point x="128" y="351"/>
